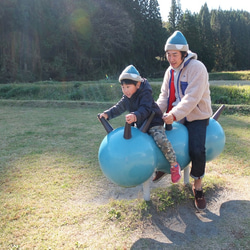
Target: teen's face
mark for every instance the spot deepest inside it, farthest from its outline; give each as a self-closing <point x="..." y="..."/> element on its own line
<point x="129" y="89"/>
<point x="174" y="57"/>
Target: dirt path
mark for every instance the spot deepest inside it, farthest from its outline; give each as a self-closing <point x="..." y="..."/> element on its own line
<point x="225" y="224"/>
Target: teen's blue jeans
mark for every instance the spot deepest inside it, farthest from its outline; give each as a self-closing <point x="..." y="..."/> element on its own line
<point x="197" y="151"/>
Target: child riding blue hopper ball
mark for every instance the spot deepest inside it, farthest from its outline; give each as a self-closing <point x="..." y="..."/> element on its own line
<point x="128" y="155"/>
<point x="130" y="161"/>
<point x="185" y="103"/>
<point x="137" y="99"/>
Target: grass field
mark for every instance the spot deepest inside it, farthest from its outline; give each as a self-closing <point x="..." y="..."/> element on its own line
<point x="52" y="191"/>
<point x="53" y="194"/>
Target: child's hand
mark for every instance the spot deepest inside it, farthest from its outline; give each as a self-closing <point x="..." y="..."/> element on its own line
<point x="104" y="115"/>
<point x="130" y="118"/>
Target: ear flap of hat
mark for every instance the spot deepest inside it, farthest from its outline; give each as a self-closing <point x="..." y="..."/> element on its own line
<point x="131" y="73"/>
<point x="177" y="42"/>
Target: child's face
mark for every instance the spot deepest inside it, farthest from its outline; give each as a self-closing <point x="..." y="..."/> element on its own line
<point x="129" y="89"/>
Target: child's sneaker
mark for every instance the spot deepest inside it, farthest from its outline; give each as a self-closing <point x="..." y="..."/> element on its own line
<point x="175" y="173"/>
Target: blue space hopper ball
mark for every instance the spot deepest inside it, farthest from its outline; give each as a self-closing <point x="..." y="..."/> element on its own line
<point x="129" y="156"/>
<point x="178" y="136"/>
<point x="215" y="137"/>
<point x="126" y="155"/>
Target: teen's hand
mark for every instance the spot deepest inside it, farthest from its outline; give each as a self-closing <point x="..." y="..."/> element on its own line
<point x="168" y="118"/>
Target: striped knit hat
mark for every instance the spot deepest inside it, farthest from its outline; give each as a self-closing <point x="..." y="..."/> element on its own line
<point x="177" y="42"/>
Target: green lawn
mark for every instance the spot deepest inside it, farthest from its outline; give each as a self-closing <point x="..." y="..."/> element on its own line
<point x="51" y="186"/>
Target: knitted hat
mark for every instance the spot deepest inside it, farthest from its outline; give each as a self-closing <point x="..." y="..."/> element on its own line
<point x="131" y="73"/>
<point x="177" y="42"/>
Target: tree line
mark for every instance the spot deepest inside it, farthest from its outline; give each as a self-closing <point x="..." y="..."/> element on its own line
<point x="87" y="39"/>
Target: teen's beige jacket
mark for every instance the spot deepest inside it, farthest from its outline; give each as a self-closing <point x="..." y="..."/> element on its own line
<point x="192" y="88"/>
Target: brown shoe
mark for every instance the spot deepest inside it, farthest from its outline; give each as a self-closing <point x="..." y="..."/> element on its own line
<point x="199" y="202"/>
<point x="158" y="176"/>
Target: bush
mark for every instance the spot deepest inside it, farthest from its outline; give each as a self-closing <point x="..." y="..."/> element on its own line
<point x="101" y="92"/>
<point x="230" y="75"/>
<point x="107" y="92"/>
<point x="19" y="92"/>
<point x="230" y="94"/>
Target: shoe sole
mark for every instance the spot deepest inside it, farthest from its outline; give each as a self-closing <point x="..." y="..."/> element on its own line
<point x="200" y="209"/>
<point x="159" y="178"/>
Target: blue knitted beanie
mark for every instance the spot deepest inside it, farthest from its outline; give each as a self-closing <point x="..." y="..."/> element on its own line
<point x="177" y="42"/>
<point x="131" y="73"/>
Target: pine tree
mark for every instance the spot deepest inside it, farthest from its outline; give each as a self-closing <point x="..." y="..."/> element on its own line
<point x="175" y="16"/>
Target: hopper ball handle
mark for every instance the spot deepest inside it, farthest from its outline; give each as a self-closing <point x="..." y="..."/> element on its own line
<point x="168" y="127"/>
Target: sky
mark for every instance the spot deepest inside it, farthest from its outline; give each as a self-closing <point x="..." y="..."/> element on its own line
<point x="195" y="5"/>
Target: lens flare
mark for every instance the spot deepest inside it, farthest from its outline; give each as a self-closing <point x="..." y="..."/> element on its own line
<point x="80" y="22"/>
